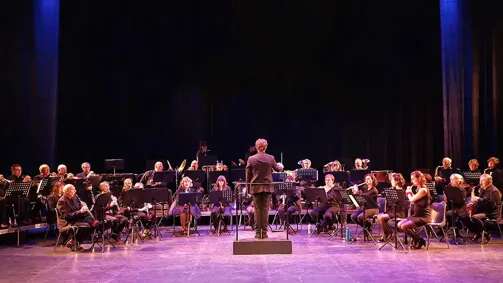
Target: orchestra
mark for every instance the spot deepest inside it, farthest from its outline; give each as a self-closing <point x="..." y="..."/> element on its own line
<point x="472" y="197"/>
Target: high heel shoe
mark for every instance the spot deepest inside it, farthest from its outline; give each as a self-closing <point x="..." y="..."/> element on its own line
<point x="419" y="244"/>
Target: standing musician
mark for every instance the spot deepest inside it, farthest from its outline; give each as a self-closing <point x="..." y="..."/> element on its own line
<point x="186" y="186"/>
<point x="369" y="192"/>
<point x="442" y="174"/>
<point x="202" y="151"/>
<point x="328" y="211"/>
<point x="259" y="170"/>
<point x="85" y="192"/>
<point x="398" y="184"/>
<point x="421" y="213"/>
<point x="111" y="211"/>
<point x="483" y="206"/>
<point x="148" y="177"/>
<point x="493" y="169"/>
<point x="221" y="209"/>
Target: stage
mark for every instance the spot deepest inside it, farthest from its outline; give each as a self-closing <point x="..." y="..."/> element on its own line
<point x="208" y="258"/>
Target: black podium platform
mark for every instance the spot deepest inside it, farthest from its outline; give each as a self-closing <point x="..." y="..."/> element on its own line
<point x="261" y="247"/>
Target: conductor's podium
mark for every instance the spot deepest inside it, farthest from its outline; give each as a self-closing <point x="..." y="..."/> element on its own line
<point x="262" y="247"/>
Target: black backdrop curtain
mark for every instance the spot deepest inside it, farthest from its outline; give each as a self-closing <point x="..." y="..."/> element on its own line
<point x="320" y="80"/>
<point x="472" y="48"/>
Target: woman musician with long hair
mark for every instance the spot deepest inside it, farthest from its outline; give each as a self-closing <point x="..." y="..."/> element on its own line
<point x="185" y="211"/>
<point x="421" y="213"/>
<point x="222" y="209"/>
<point x="398" y="184"/>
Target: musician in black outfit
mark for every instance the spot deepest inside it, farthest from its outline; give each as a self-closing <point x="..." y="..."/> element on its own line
<point x="442" y="175"/>
<point x="22" y="203"/>
<point x="223" y="208"/>
<point x="148" y="177"/>
<point x="328" y="211"/>
<point x="111" y="211"/>
<point x="484" y="206"/>
<point x="369" y="193"/>
<point x="17" y="174"/>
<point x="398" y="184"/>
<point x="493" y="169"/>
<point x="455" y="209"/>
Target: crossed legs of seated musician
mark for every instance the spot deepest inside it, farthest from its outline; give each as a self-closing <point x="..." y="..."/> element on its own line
<point x="410" y="226"/>
<point x="357" y="217"/>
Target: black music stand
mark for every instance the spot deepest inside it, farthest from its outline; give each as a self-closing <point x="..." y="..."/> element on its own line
<point x="341" y="177"/>
<point x="279" y="176"/>
<point x="359" y="201"/>
<point x="45" y="186"/>
<point x="309" y="175"/>
<point x="284" y="189"/>
<point x="207" y="160"/>
<point x="219" y="198"/>
<point x="237" y="175"/>
<point x="393" y="198"/>
<point x="164" y="177"/>
<point x="472" y="178"/>
<point x="313" y="196"/>
<point x="345" y="201"/>
<point x="357" y="175"/>
<point x="454" y="196"/>
<point x="114" y="164"/>
<point x="190" y="198"/>
<point x="16" y="192"/>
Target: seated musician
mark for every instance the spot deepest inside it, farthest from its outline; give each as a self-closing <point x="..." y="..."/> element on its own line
<point x="358" y="164"/>
<point x="52" y="200"/>
<point x="111" y="211"/>
<point x="442" y="175"/>
<point x="148" y="177"/>
<point x="127" y="184"/>
<point x="397" y="183"/>
<point x="86" y="170"/>
<point x="45" y="172"/>
<point x="305" y="163"/>
<point x="72" y="210"/>
<point x="289" y="204"/>
<point x="493" y="169"/>
<point x="186" y="186"/>
<point x="328" y="211"/>
<point x="17" y="174"/>
<point x="220" y="166"/>
<point x="221" y="209"/>
<point x="473" y="166"/>
<point x="63" y="172"/>
<point x="194" y="166"/>
<point x="369" y="192"/>
<point x="333" y="166"/>
<point x="4" y="211"/>
<point x="421" y="214"/>
<point x="483" y="206"/>
<point x="456" y="209"/>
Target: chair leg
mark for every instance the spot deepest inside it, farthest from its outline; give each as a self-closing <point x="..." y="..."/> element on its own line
<point x="445" y="236"/>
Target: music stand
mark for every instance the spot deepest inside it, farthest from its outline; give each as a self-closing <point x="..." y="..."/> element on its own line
<point x="114" y="164"/>
<point x="357" y="175"/>
<point x="345" y="201"/>
<point x="45" y="186"/>
<point x="237" y="175"/>
<point x="393" y="198"/>
<point x="454" y="197"/>
<point x="472" y="178"/>
<point x="307" y="174"/>
<point x="313" y="196"/>
<point x="100" y="204"/>
<point x="279" y="176"/>
<point x="164" y="177"/>
<point x="286" y="190"/>
<point x="207" y="160"/>
<point x="16" y="192"/>
<point x="341" y="177"/>
<point x="190" y="198"/>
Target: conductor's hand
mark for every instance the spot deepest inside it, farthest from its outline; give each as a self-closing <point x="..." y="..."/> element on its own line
<point x="280" y="166"/>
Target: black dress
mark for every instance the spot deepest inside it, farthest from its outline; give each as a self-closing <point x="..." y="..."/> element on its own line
<point x="421" y="211"/>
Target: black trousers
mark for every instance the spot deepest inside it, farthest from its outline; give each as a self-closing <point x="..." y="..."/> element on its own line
<point x="261" y="212"/>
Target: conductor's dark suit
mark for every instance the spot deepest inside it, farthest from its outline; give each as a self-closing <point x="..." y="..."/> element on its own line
<point x="259" y="170"/>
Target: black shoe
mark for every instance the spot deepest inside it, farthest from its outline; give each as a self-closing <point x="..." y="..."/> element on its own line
<point x="419" y="244"/>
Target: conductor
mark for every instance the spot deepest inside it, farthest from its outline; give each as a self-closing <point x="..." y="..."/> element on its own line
<point x="259" y="170"/>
